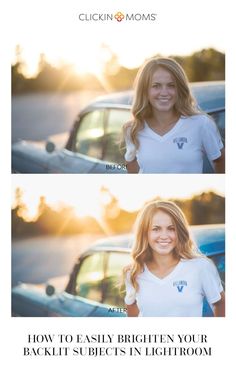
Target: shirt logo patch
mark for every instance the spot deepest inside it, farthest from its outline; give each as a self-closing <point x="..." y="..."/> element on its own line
<point x="180" y="142"/>
<point x="180" y="285"/>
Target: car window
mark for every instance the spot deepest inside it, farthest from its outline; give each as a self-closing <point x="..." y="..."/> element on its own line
<point x="219" y="118"/>
<point x="113" y="283"/>
<point x="116" y="118"/>
<point x="89" y="278"/>
<point x="89" y="138"/>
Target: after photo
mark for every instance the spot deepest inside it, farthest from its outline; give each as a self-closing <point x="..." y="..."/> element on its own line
<point x="154" y="247"/>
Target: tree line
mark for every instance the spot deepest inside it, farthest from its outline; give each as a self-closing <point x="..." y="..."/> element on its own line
<point x="206" y="208"/>
<point x="205" y="65"/>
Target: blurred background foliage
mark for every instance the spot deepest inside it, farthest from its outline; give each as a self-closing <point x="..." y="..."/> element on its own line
<point x="204" y="65"/>
<point x="206" y="208"/>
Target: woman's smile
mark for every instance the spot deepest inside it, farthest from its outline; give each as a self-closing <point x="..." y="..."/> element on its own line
<point x="163" y="100"/>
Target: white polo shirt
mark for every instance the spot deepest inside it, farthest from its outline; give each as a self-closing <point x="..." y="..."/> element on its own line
<point x="179" y="294"/>
<point x="181" y="150"/>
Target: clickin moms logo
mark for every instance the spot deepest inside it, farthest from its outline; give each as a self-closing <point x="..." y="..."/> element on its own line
<point x="118" y="17"/>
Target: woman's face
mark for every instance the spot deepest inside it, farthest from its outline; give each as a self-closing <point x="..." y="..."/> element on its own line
<point x="162" y="93"/>
<point x="162" y="236"/>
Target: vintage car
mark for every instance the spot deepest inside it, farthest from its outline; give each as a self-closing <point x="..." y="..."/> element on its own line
<point x="93" y="144"/>
<point x="94" y="286"/>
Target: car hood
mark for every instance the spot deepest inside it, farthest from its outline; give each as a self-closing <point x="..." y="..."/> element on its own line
<point x="59" y="283"/>
<point x="59" y="141"/>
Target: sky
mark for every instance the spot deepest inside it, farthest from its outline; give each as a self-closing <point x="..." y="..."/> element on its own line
<point x="83" y="191"/>
<point x="53" y="28"/>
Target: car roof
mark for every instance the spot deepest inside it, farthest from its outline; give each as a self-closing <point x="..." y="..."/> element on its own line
<point x="209" y="95"/>
<point x="210" y="240"/>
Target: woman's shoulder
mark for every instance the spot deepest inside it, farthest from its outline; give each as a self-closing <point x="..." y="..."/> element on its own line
<point x="199" y="116"/>
<point x="204" y="266"/>
<point x="201" y="261"/>
<point x="200" y="119"/>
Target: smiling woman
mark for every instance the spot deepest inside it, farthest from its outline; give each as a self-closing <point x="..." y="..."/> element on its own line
<point x="168" y="133"/>
<point x="168" y="275"/>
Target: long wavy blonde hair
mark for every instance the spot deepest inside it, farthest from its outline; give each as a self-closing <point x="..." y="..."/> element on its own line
<point x="141" y="251"/>
<point x="141" y="108"/>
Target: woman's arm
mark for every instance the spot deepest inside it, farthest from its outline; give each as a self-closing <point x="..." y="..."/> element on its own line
<point x="132" y="166"/>
<point x="219" y="306"/>
<point x="132" y="310"/>
<point x="219" y="164"/>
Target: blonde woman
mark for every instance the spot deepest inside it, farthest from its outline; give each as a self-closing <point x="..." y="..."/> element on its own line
<point x="168" y="133"/>
<point x="169" y="276"/>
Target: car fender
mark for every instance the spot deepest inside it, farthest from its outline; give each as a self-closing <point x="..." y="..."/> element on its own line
<point x="29" y="157"/>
